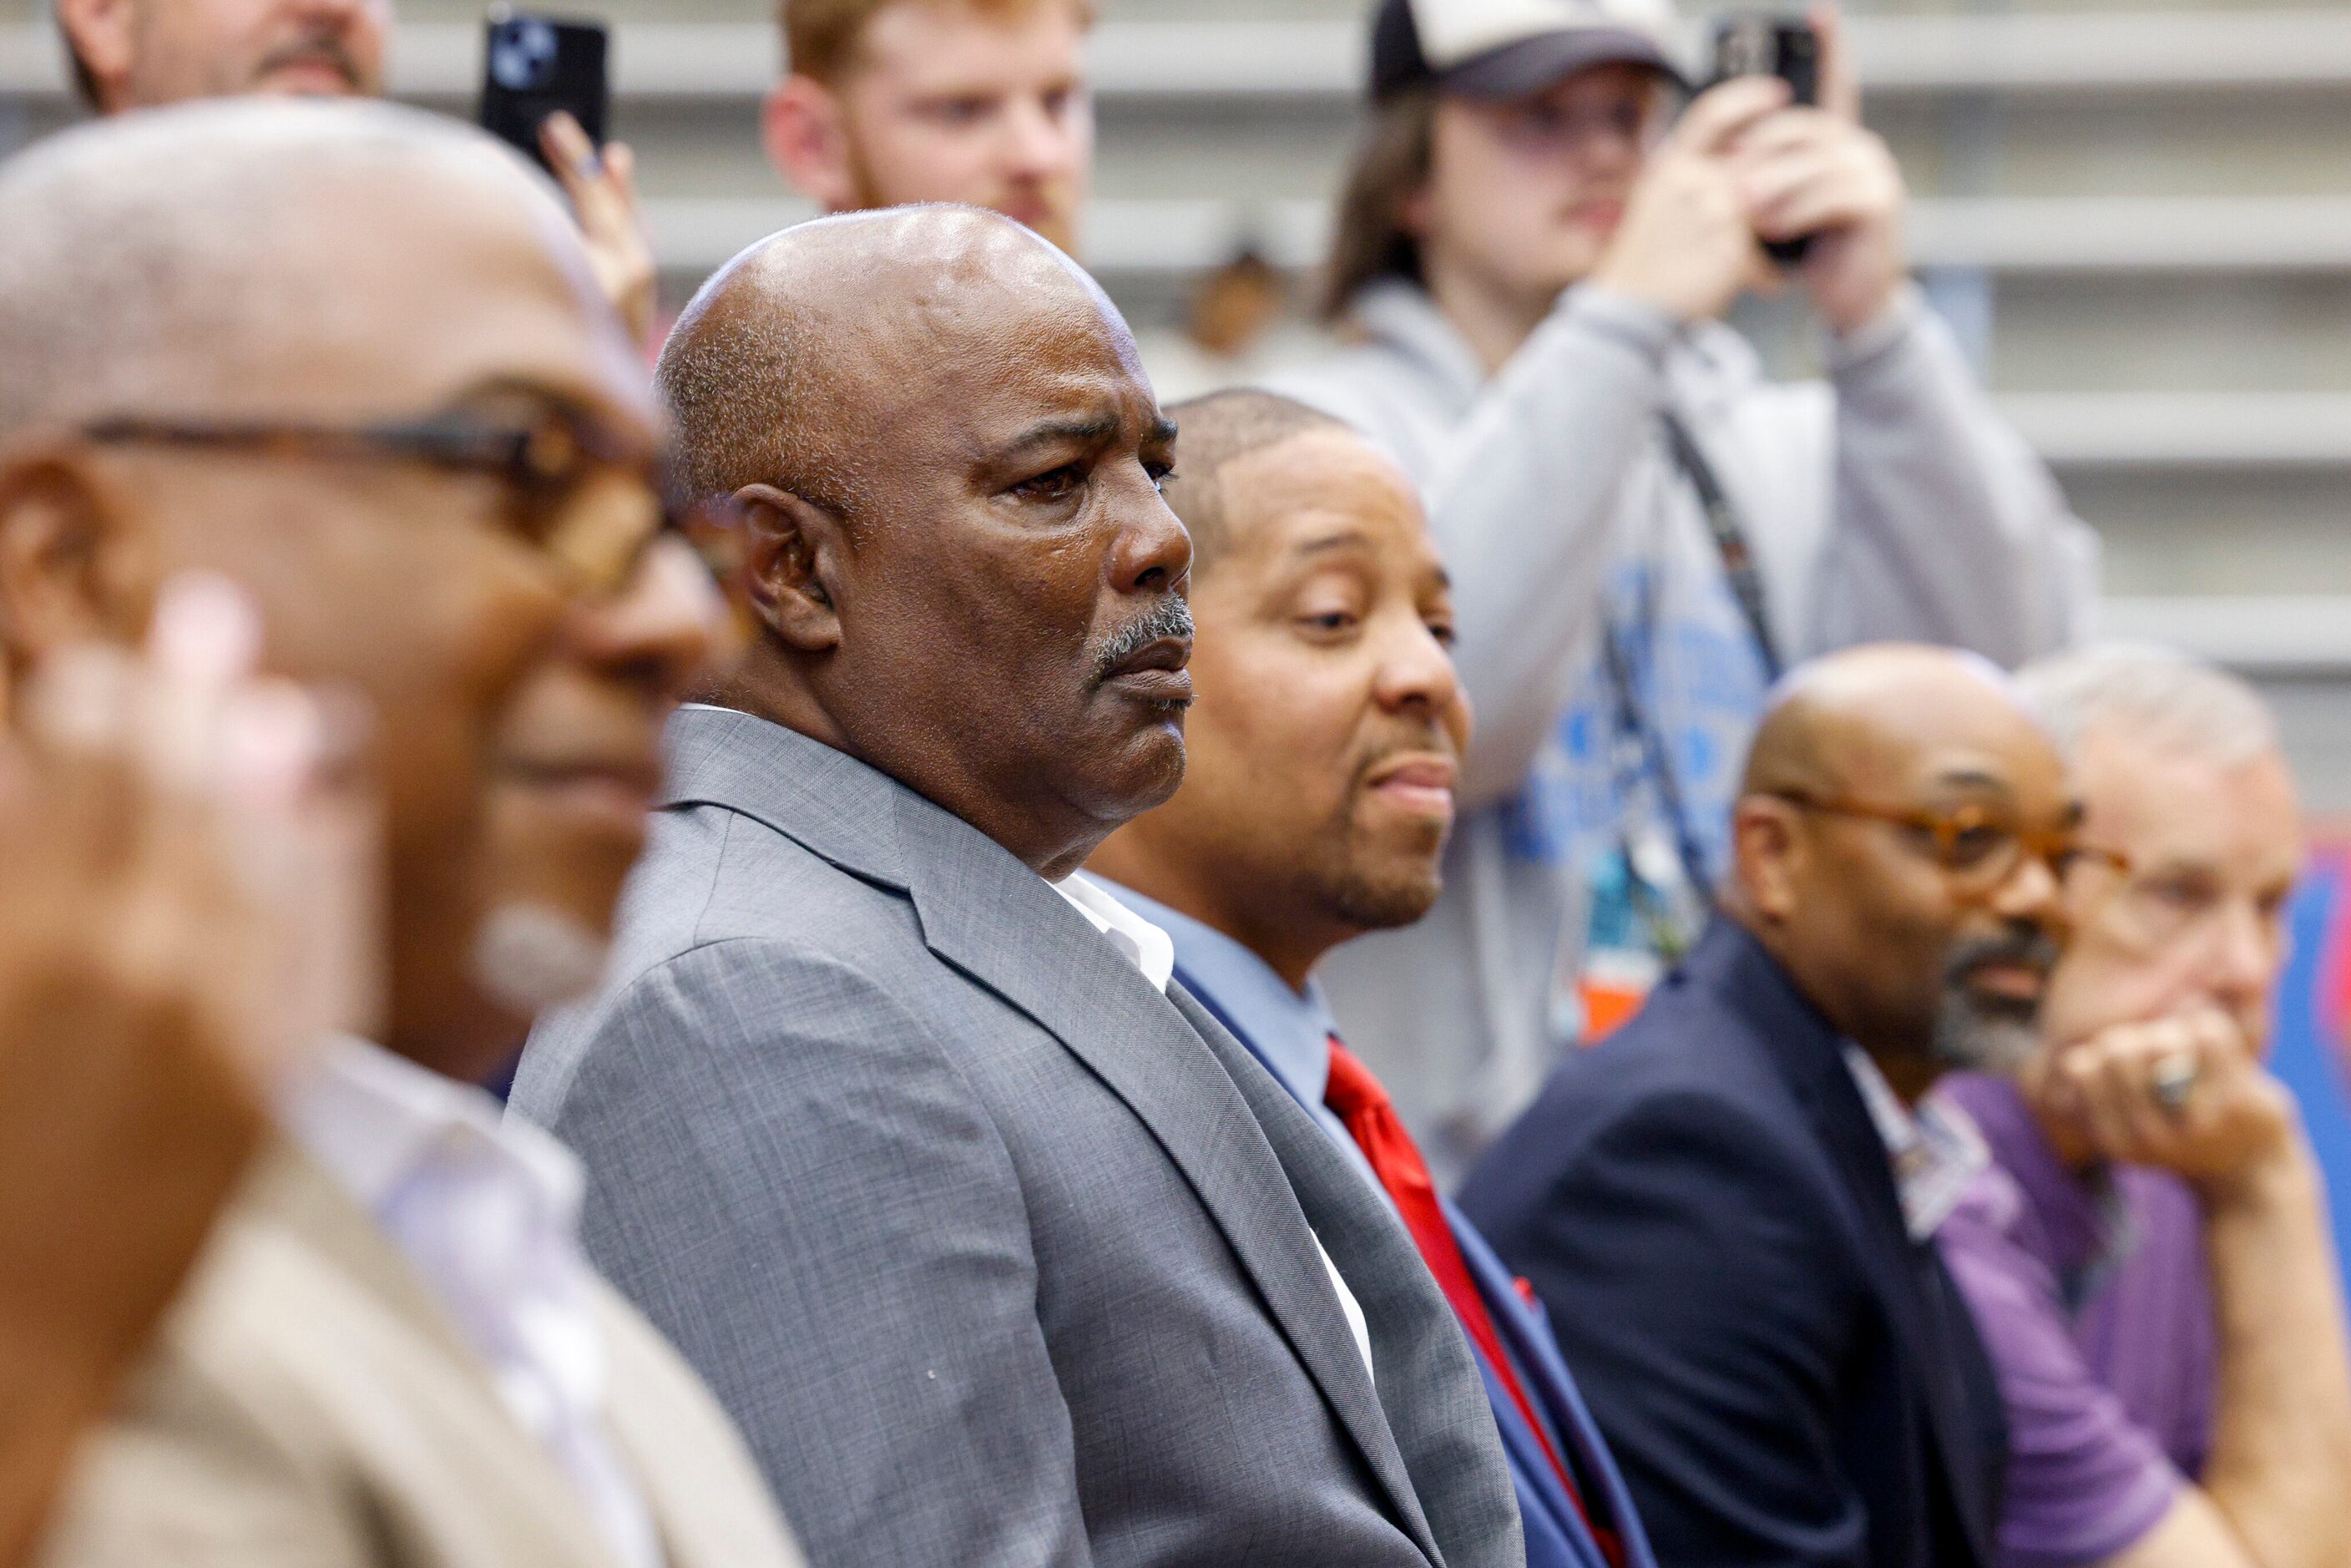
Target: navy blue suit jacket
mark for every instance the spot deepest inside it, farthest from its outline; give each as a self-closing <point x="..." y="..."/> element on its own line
<point x="1708" y="1212"/>
<point x="1556" y="1534"/>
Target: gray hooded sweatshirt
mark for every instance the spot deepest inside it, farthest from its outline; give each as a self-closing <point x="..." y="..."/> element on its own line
<point x="1886" y="502"/>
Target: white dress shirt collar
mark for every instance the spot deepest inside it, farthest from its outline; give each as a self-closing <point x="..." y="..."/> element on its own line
<point x="487" y="1210"/>
<point x="1138" y="941"/>
<point x="371" y="1118"/>
<point x="1153" y="951"/>
<point x="1936" y="1153"/>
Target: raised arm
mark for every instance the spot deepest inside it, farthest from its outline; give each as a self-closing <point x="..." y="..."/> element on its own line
<point x="2281" y="1462"/>
<point x="1947" y="527"/>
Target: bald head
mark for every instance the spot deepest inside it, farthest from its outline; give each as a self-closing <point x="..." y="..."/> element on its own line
<point x="318" y="272"/>
<point x="788" y="365"/>
<point x="174" y="261"/>
<point x="1214" y="432"/>
<point x="1851" y="719"/>
<point x="1898" y="839"/>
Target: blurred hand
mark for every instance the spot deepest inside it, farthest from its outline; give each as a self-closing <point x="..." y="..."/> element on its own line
<point x="2232" y="1119"/>
<point x="1817" y="171"/>
<point x="603" y="191"/>
<point x="1687" y="245"/>
<point x="186" y="905"/>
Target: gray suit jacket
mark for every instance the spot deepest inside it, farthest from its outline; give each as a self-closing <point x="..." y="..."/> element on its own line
<point x="997" y="1256"/>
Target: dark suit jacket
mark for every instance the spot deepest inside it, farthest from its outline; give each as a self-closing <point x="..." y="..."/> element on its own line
<point x="1000" y="1257"/>
<point x="1708" y="1212"/>
<point x="1557" y="1534"/>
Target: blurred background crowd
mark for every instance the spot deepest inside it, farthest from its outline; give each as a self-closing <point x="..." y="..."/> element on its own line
<point x="1824" y="766"/>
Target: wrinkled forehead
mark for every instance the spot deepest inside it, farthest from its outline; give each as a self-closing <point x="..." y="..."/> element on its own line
<point x="963" y="368"/>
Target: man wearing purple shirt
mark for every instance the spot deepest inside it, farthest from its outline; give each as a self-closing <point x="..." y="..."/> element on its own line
<point x="2149" y="1256"/>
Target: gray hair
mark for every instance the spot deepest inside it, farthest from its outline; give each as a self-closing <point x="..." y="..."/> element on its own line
<point x="2160" y="697"/>
<point x="164" y="263"/>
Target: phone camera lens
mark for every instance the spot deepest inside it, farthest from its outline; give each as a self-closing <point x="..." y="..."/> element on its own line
<point x="522" y="56"/>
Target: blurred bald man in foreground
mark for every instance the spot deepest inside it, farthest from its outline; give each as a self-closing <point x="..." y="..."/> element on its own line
<point x="1002" y="1250"/>
<point x="351" y="359"/>
<point x="1730" y="1208"/>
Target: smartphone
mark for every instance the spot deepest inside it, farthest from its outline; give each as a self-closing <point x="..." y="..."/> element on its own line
<point x="1762" y="44"/>
<point x="532" y="67"/>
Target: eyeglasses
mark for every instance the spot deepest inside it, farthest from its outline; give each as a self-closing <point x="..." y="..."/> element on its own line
<point x="1977" y="848"/>
<point x="580" y="498"/>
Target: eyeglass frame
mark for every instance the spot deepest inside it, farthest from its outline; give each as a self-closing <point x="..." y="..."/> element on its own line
<point x="452" y="439"/>
<point x="2062" y="851"/>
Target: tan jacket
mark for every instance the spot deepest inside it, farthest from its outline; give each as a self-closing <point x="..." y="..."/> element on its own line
<point x="309" y="1405"/>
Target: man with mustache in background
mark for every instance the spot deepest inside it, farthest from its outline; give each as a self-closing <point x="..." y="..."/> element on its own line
<point x="142" y="53"/>
<point x="1729" y="1207"/>
<point x="1317" y="794"/>
<point x="1002" y="1250"/>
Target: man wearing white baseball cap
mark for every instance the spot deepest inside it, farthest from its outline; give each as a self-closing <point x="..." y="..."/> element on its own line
<point x="1533" y="255"/>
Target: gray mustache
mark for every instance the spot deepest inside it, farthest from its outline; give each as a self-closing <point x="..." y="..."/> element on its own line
<point x="1170" y="618"/>
<point x="2028" y="946"/>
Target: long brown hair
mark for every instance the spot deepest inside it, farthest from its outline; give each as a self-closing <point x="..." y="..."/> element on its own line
<point x="1369" y="240"/>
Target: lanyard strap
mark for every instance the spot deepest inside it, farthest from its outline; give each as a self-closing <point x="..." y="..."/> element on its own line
<point x="1632" y="725"/>
<point x="1729" y="541"/>
<point x="1633" y="729"/>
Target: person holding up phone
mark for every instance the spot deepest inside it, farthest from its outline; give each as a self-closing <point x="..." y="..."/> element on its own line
<point x="142" y="53"/>
<point x="1534" y="252"/>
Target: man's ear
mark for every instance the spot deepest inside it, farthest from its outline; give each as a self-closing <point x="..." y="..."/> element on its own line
<point x="1765" y="846"/>
<point x="75" y="567"/>
<point x="789" y="565"/>
<point x="98" y="34"/>
<point x="807" y="139"/>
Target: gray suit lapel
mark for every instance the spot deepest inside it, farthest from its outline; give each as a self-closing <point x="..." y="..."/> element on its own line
<point x="831" y="803"/>
<point x="970" y="894"/>
<point x="1442" y="1425"/>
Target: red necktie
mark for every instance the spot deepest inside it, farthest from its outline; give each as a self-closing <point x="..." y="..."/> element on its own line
<point x="1358" y="1100"/>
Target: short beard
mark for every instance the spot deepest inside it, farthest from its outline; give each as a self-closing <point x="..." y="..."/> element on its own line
<point x="1369" y="905"/>
<point x="1363" y="902"/>
<point x="528" y="957"/>
<point x="1973" y="1034"/>
<point x="1978" y="1033"/>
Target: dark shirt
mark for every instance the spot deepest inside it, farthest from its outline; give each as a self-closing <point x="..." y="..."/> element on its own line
<point x="1785" y="1376"/>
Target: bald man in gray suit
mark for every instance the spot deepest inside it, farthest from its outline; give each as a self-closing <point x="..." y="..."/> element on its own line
<point x="1000" y="1247"/>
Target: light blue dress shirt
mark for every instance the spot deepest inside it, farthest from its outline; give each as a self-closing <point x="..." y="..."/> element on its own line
<point x="1290" y="1030"/>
